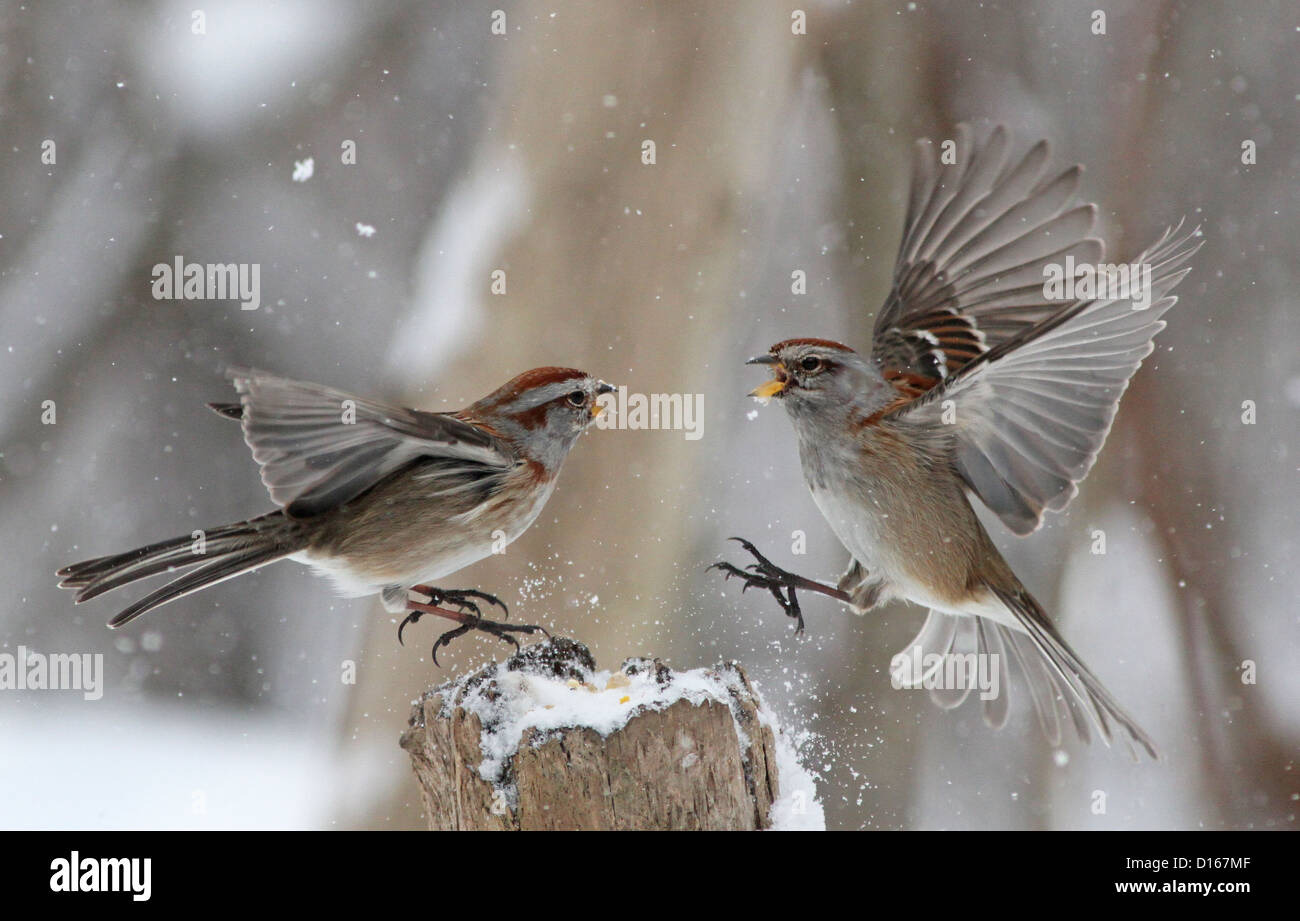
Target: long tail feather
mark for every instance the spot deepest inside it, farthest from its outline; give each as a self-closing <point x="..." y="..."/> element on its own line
<point x="1086" y="691"/>
<point x="1061" y="687"/>
<point x="78" y="575"/>
<point x="226" y="552"/>
<point x="165" y="561"/>
<point x="210" y="573"/>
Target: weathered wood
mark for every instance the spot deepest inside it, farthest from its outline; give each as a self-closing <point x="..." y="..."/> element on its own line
<point x="709" y="764"/>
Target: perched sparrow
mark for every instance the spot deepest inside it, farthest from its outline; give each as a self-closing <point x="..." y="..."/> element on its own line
<point x="977" y="382"/>
<point x="380" y="498"/>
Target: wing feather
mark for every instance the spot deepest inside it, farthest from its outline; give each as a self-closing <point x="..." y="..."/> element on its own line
<point x="1033" y="411"/>
<point x="969" y="273"/>
<point x="319" y="447"/>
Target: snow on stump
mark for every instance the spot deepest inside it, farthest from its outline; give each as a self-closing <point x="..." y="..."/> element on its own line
<point x="545" y="741"/>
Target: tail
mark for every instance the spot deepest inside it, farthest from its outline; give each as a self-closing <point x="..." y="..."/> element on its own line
<point x="224" y="553"/>
<point x="1060" y="685"/>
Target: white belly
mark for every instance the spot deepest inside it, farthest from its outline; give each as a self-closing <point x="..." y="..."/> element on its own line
<point x="862" y="535"/>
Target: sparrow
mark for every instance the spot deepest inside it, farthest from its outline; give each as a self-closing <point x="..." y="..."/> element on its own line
<point x="379" y="498"/>
<point x="978" y="383"/>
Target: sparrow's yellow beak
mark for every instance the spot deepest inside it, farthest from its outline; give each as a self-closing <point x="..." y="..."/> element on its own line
<point x="768" y="390"/>
<point x="596" y="410"/>
<point x="765" y="392"/>
<point x="777" y="384"/>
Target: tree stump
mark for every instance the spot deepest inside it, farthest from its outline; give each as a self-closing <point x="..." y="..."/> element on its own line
<point x="545" y="741"/>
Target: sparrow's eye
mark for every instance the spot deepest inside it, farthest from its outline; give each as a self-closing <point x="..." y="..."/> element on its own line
<point x="811" y="363"/>
<point x="577" y="398"/>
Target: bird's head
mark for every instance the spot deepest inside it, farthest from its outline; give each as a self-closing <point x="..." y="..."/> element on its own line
<point x="543" y="411"/>
<point x="816" y="377"/>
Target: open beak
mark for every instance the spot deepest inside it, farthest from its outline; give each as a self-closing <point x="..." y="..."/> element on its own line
<point x="766" y="391"/>
<point x="776" y="385"/>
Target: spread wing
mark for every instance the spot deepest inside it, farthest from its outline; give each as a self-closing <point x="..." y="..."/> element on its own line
<point x="969" y="273"/>
<point x="1032" y="411"/>
<point x="320" y="447"/>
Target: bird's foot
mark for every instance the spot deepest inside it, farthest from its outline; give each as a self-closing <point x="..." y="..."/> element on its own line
<point x="763" y="573"/>
<point x="461" y="598"/>
<point x="499" y="630"/>
<point x="440" y="596"/>
<point x="467" y="614"/>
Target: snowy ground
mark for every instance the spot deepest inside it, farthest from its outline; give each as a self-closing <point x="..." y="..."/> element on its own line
<point x="68" y="767"/>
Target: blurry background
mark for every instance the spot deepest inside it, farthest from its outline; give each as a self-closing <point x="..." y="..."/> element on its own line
<point x="776" y="152"/>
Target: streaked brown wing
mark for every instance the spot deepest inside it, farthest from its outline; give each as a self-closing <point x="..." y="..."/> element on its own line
<point x="1031" y="413"/>
<point x="320" y="447"/>
<point x="969" y="273"/>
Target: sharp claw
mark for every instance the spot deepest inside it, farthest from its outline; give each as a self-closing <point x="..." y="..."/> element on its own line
<point x="444" y="598"/>
<point x="794" y="611"/>
<point x="765" y="574"/>
<point x="499" y="630"/>
<point x="729" y="570"/>
<point x="460" y="595"/>
<point x="446" y="638"/>
<point x="460" y="599"/>
<point x="410" y="619"/>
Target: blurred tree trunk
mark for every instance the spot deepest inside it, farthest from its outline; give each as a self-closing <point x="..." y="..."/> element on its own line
<point x="704" y="85"/>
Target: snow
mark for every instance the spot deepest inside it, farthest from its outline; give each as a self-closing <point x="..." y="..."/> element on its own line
<point x="510" y="703"/>
<point x="604" y="701"/>
<point x="797" y="807"/>
<point x="64" y="767"/>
